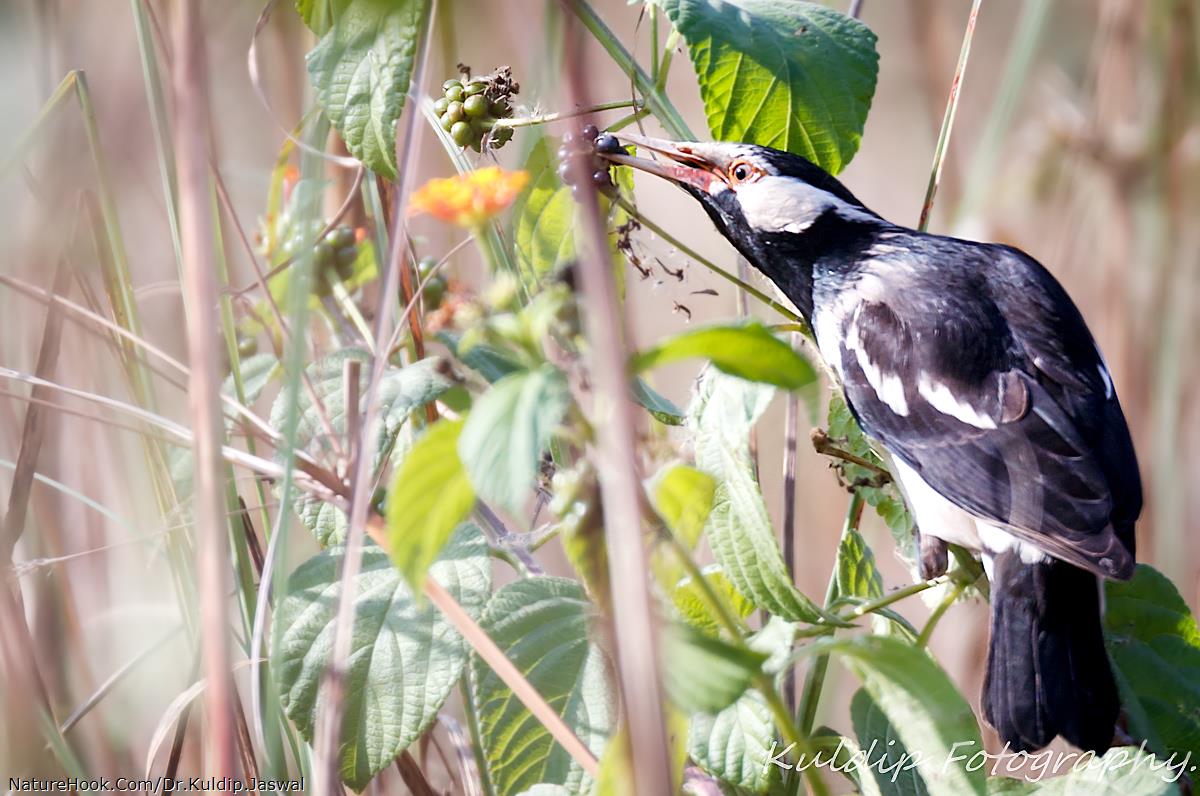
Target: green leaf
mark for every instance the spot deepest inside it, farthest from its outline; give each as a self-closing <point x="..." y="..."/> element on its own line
<point x="507" y="431"/>
<point x="736" y="744"/>
<point x="683" y="497"/>
<point x="430" y="495"/>
<point x="401" y="390"/>
<point x="845" y="433"/>
<point x="405" y="658"/>
<point x="781" y="73"/>
<point x="856" y="572"/>
<point x="360" y="71"/>
<point x="928" y="715"/>
<point x="1123" y="771"/>
<point x="257" y="372"/>
<point x="749" y="351"/>
<point x="694" y="609"/>
<point x="541" y="624"/>
<point x="1155" y="643"/>
<point x="658" y="406"/>
<point x="889" y="763"/>
<point x="543" y="235"/>
<point x="739" y="529"/>
<point x="489" y="362"/>
<point x="706" y="673"/>
<point x="544" y="229"/>
<point x="320" y="15"/>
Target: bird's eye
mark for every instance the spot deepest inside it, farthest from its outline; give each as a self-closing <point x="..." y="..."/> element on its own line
<point x="743" y="171"/>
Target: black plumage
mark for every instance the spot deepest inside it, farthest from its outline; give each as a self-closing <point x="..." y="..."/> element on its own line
<point x="975" y="371"/>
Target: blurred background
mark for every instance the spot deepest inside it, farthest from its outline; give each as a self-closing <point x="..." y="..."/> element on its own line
<point x="1077" y="140"/>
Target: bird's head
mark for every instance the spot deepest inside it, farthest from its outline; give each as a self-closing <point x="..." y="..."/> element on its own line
<point x="751" y="191"/>
<point x="777" y="208"/>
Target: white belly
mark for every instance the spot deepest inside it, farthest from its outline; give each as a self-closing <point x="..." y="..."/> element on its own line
<point x="938" y="517"/>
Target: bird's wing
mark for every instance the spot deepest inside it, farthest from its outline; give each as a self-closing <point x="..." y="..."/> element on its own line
<point x="996" y="395"/>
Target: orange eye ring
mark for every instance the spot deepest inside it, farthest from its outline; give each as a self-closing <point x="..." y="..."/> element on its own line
<point x="742" y="171"/>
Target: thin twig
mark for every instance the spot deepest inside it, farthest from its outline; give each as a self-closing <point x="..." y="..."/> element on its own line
<point x="824" y="445"/>
<point x="546" y="118"/>
<point x="939" y="153"/>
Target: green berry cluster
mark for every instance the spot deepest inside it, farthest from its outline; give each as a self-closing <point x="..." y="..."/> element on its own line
<point x="334" y="254"/>
<point x="469" y="108"/>
<point x="435" y="286"/>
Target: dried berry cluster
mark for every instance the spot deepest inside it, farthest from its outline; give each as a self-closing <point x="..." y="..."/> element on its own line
<point x="470" y="107"/>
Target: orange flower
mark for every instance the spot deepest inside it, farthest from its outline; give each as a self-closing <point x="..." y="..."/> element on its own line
<point x="472" y="198"/>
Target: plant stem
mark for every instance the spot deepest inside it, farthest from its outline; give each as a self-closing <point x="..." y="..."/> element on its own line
<point x="656" y="99"/>
<point x="762" y="681"/>
<point x="629" y="208"/>
<point x="530" y="121"/>
<point x="814" y="679"/>
<point x="939" y="152"/>
<point x="638" y="666"/>
<point x="664" y="68"/>
<point x="936" y="616"/>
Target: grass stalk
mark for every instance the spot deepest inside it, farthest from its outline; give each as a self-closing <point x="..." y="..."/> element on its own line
<point x="939" y="152"/>
<point x="200" y="291"/>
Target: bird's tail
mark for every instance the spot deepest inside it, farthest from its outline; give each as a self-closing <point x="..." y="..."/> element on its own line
<point x="1047" y="672"/>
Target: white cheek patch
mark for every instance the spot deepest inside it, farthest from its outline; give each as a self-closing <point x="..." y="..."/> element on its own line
<point x="942" y="399"/>
<point x="782" y="204"/>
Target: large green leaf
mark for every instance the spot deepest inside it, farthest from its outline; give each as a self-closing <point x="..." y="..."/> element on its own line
<point x="508" y="429"/>
<point x="782" y="73"/>
<point x="405" y="658"/>
<point x="542" y="626"/>
<point x="543" y="234"/>
<point x="401" y="390"/>
<point x="1123" y="771"/>
<point x="320" y="15"/>
<point x="739" y="530"/>
<point x="748" y="351"/>
<point x="888" y="762"/>
<point x="544" y="226"/>
<point x="683" y="497"/>
<point x="360" y="71"/>
<point x="689" y="600"/>
<point x="1154" y="641"/>
<point x="706" y="673"/>
<point x="737" y="744"/>
<point x="926" y="713"/>
<point x="856" y="572"/>
<point x="430" y="495"/>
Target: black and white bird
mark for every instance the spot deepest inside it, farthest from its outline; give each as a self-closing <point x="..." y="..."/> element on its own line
<point x="973" y="369"/>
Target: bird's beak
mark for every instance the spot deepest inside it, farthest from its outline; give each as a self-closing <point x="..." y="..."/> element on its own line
<point x="681" y="165"/>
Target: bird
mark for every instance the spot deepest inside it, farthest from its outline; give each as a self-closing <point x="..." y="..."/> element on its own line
<point x="971" y="367"/>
